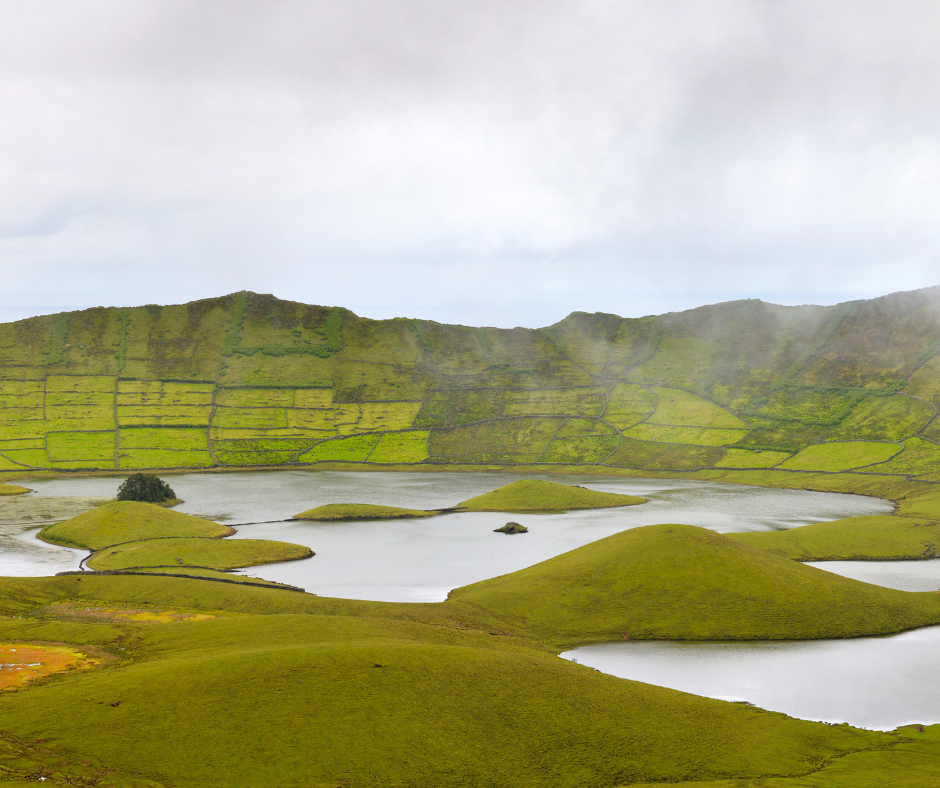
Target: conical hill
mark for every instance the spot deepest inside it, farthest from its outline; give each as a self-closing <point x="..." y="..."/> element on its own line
<point x="681" y="582"/>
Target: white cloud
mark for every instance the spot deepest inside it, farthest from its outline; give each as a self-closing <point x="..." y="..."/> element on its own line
<point x="478" y="162"/>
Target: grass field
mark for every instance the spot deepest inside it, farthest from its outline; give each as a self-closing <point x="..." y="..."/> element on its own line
<point x="208" y="553"/>
<point x="588" y="401"/>
<point x="919" y="456"/>
<point x="745" y="458"/>
<point x="698" y="436"/>
<point x="354" y="449"/>
<point x="332" y="512"/>
<point x="411" y="692"/>
<point x="876" y="538"/>
<point x="841" y="456"/>
<point x="531" y="495"/>
<point x="627" y="404"/>
<point x="678" y="407"/>
<point x="128" y="521"/>
<point x="401" y="447"/>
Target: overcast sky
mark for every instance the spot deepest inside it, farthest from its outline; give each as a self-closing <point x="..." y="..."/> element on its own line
<point x="482" y="162"/>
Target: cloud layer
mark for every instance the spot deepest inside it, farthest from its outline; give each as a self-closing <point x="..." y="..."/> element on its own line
<point x="478" y="162"/>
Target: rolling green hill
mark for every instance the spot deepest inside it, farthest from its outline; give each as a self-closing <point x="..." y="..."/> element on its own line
<point x="251" y="380"/>
<point x="679" y="582"/>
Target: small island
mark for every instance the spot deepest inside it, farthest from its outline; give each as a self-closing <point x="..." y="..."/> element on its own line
<point x="511" y="528"/>
<point x="12" y="489"/>
<point x="533" y="495"/>
<point x="337" y="512"/>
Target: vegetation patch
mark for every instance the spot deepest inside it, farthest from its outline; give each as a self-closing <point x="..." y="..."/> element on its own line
<point x="255" y="398"/>
<point x="678" y="407"/>
<point x="586" y="401"/>
<point x="534" y="495"/>
<point x="128" y="521"/>
<point x="451" y="408"/>
<point x="633" y="453"/>
<point x="169" y="416"/>
<point x="590" y="450"/>
<point x="385" y="416"/>
<point x="751" y="458"/>
<point x="21" y="663"/>
<point x="697" y="436"/>
<point x="884" y="419"/>
<point x="628" y="404"/>
<point x="686" y="458"/>
<point x="919" y="456"/>
<point x="401" y="447"/>
<point x="841" y="456"/>
<point x="171" y="438"/>
<point x="130" y="459"/>
<point x="876" y="538"/>
<point x="195" y="551"/>
<point x="333" y="512"/>
<point x="12" y="489"/>
<point x="680" y="582"/>
<point x="258" y="418"/>
<point x="80" y="445"/>
<point x="354" y="449"/>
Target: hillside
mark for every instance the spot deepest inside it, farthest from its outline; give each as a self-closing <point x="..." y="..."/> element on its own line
<point x="249" y="379"/>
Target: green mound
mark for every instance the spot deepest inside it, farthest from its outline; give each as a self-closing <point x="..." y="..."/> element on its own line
<point x="414" y="702"/>
<point x="360" y="511"/>
<point x="128" y="521"/>
<point x="532" y="495"/>
<point x="197" y="552"/>
<point x="12" y="489"/>
<point x="209" y="574"/>
<point x="877" y="538"/>
<point x="680" y="582"/>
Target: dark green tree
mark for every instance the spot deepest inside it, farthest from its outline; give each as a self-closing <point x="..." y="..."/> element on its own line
<point x="145" y="487"/>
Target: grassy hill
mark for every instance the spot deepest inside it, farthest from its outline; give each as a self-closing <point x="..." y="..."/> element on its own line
<point x="535" y="495"/>
<point x="208" y="684"/>
<point x="251" y="380"/>
<point x="679" y="582"/>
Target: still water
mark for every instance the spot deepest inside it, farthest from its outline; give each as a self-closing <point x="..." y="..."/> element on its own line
<point x="878" y="683"/>
<point x="422" y="560"/>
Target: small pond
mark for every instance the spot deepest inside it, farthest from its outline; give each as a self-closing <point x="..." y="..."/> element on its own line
<point x="422" y="560"/>
<point x="877" y="683"/>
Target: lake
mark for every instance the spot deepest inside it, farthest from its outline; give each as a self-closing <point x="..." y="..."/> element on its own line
<point x="422" y="560"/>
<point x="877" y="683"/>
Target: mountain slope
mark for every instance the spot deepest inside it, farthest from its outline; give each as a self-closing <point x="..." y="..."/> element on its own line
<point x="250" y="379"/>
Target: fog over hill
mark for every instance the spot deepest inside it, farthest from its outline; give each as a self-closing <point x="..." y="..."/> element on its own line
<point x="250" y="379"/>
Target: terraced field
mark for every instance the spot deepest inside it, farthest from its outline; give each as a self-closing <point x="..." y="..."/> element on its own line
<point x="250" y="380"/>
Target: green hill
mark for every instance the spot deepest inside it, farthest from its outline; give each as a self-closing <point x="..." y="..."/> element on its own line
<point x="279" y="688"/>
<point x="333" y="512"/>
<point x="128" y="521"/>
<point x="877" y="538"/>
<point x="532" y="495"/>
<point x="219" y="554"/>
<point x="680" y="582"/>
<point x="251" y="380"/>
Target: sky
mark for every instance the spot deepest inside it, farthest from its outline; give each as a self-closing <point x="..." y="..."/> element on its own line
<point x="470" y="161"/>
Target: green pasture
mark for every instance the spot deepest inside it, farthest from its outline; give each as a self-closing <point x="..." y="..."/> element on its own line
<point x="163" y="458"/>
<point x="875" y="538"/>
<point x="678" y="407"/>
<point x="587" y="401"/>
<point x="749" y="458"/>
<point x="332" y="512"/>
<point x="169" y="438"/>
<point x="255" y="398"/>
<point x="919" y="456"/>
<point x="627" y="404"/>
<point x="401" y="447"/>
<point x="633" y="453"/>
<point x="842" y="456"/>
<point x="128" y="521"/>
<point x="533" y="495"/>
<point x="354" y="449"/>
<point x="586" y="449"/>
<point x="206" y="552"/>
<point x="699" y="436"/>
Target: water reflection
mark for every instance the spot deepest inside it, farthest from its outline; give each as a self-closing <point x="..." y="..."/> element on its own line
<point x="902" y="575"/>
<point x="877" y="683"/>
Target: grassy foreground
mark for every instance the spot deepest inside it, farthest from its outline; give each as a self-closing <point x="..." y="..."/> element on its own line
<point x="383" y="694"/>
<point x="128" y="521"/>
<point x="680" y="582"/>
<point x="333" y="512"/>
<point x="532" y="495"/>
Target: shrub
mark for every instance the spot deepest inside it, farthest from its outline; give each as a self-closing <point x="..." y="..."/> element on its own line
<point x="145" y="487"/>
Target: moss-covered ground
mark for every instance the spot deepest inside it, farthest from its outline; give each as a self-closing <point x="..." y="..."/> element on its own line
<point x="360" y="511"/>
<point x="533" y="495"/>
